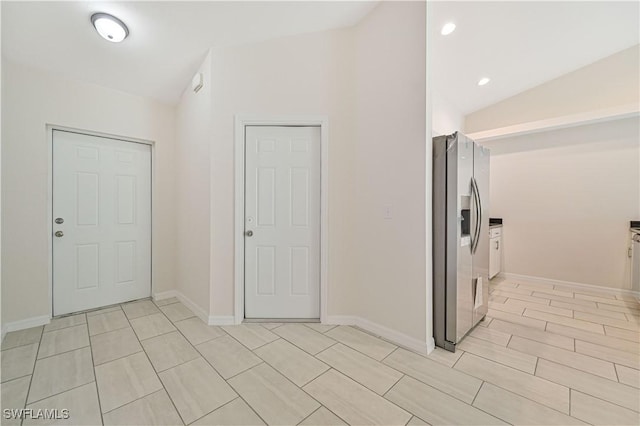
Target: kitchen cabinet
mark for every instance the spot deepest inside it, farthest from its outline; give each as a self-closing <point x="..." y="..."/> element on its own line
<point x="495" y="251"/>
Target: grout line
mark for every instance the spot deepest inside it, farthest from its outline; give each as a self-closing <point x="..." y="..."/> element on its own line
<point x="311" y="414"/>
<point x="616" y="370"/>
<point x="64" y="391"/>
<point x="477" y="392"/>
<point x="33" y="370"/>
<point x="393" y="386"/>
<point x="95" y="377"/>
<point x="154" y="369"/>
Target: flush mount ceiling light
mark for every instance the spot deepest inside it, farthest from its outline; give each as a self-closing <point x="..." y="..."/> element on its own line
<point x="448" y="28"/>
<point x="483" y="81"/>
<point x="109" y="27"/>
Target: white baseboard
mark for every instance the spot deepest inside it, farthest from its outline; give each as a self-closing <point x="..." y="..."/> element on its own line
<point x="386" y="333"/>
<point x="201" y="313"/>
<point x="25" y="323"/>
<point x="596" y="288"/>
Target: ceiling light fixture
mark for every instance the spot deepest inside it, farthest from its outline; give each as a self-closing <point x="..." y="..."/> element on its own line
<point x="448" y="28"/>
<point x="483" y="81"/>
<point x="109" y="27"/>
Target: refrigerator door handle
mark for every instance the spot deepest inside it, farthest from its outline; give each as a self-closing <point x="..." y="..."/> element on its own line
<point x="477" y="206"/>
<point x="479" y="214"/>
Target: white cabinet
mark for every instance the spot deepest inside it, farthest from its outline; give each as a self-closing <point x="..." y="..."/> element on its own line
<point x="495" y="251"/>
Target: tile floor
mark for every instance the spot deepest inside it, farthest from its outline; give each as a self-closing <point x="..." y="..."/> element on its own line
<point x="544" y="355"/>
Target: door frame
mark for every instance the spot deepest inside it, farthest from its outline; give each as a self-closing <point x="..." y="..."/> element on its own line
<point x="241" y="121"/>
<point x="49" y="128"/>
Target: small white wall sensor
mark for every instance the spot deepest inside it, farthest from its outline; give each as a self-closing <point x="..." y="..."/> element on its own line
<point x="197" y="82"/>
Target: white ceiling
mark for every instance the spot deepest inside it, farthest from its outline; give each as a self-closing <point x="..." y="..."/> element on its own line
<point x="520" y="45"/>
<point x="167" y="40"/>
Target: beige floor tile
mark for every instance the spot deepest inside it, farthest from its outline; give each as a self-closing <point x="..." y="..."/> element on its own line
<point x="599" y="387"/>
<point x="151" y="326"/>
<point x="624" y="324"/>
<point x="60" y="373"/>
<point x="415" y="421"/>
<point x="485" y="321"/>
<point x="452" y="382"/>
<point x="559" y="293"/>
<point x="522" y="297"/>
<point x="533" y="334"/>
<point x="616" y="308"/>
<point x="18" y="362"/>
<point x="509" y="357"/>
<point x="518" y="410"/>
<point x="303" y="337"/>
<point x="535" y="388"/>
<point x="539" y="307"/>
<point x="251" y="335"/>
<point x="565" y="299"/>
<point x="513" y="290"/>
<point x="291" y="361"/>
<point x="436" y="407"/>
<point x="235" y="413"/>
<point x="63" y="340"/>
<point x="168" y="350"/>
<point x="626" y="297"/>
<point x="322" y="417"/>
<point x="13" y="396"/>
<point x="354" y="403"/>
<point x="608" y="354"/>
<point x="125" y="380"/>
<point x="196" y="331"/>
<point x="113" y="345"/>
<point x="584" y="291"/>
<point x="364" y="370"/>
<point x="490" y="335"/>
<point x="569" y="322"/>
<point x="359" y="340"/>
<point x="139" y="309"/>
<point x="274" y="398"/>
<point x="196" y="389"/>
<point x="608" y="301"/>
<point x="628" y="376"/>
<point x="507" y="307"/>
<point x="516" y="319"/>
<point x="271" y="325"/>
<point x="497" y="299"/>
<point x="176" y="311"/>
<point x="586" y="336"/>
<point x="228" y="356"/>
<point x="164" y="302"/>
<point x="107" y="322"/>
<point x="581" y="308"/>
<point x="535" y="286"/>
<point x="105" y="310"/>
<point x="445" y="357"/>
<point x="320" y="328"/>
<point x="565" y="357"/>
<point x="63" y="322"/>
<point x="153" y="409"/>
<point x="599" y="412"/>
<point x="82" y="403"/>
<point x="630" y="335"/>
<point x="13" y="339"/>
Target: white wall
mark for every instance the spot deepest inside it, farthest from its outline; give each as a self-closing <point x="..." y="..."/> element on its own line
<point x="308" y="74"/>
<point x="31" y="99"/>
<point x="446" y="118"/>
<point x="390" y="167"/>
<point x="193" y="138"/>
<point x="610" y="82"/>
<point x="567" y="197"/>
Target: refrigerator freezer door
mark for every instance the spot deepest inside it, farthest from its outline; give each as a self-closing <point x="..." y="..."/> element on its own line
<point x="481" y="255"/>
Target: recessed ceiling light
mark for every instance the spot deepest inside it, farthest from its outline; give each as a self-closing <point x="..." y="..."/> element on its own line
<point x="483" y="81"/>
<point x="109" y="27"/>
<point x="448" y="28"/>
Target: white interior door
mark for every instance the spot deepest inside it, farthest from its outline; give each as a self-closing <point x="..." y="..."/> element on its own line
<point x="282" y="222"/>
<point x="102" y="221"/>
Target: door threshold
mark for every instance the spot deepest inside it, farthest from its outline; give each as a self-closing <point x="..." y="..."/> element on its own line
<point x="271" y="320"/>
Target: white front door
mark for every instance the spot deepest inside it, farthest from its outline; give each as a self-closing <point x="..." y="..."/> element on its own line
<point x="101" y="221"/>
<point x="282" y="222"/>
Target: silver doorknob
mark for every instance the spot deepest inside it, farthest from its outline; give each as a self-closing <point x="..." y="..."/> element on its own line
<point x="59" y="220"/>
<point x="249" y="233"/>
<point x="59" y="234"/>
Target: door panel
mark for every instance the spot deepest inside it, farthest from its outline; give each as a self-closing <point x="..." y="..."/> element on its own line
<point x="481" y="256"/>
<point x="282" y="210"/>
<point x="102" y="192"/>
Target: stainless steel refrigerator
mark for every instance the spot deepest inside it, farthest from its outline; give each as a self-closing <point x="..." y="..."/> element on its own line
<point x="460" y="237"/>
